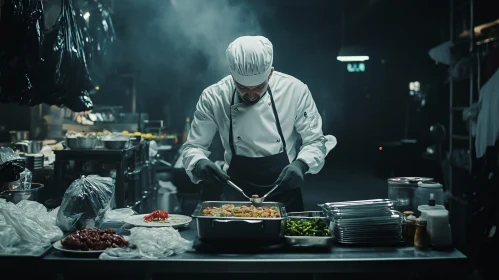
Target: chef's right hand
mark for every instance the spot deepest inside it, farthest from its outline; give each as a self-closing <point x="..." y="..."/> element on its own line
<point x="208" y="171"/>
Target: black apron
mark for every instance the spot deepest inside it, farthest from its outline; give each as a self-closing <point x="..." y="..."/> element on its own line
<point x="257" y="175"/>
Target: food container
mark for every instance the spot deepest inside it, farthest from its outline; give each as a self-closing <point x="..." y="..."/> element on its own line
<point x="309" y="241"/>
<point x="85" y="143"/>
<point x="234" y="228"/>
<point x="16" y="196"/>
<point x="18" y="135"/>
<point x="402" y="191"/>
<point x="116" y="143"/>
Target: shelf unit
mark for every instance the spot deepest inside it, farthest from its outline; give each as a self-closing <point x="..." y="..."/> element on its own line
<point x="456" y="6"/>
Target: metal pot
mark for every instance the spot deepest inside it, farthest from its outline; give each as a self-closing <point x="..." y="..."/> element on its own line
<point x="81" y="142"/>
<point x="29" y="147"/>
<point x="232" y="228"/>
<point x="401" y="190"/>
<point x="16" y="196"/>
<point x="18" y="135"/>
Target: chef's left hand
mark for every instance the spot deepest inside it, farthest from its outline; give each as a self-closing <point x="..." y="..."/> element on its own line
<point x="292" y="175"/>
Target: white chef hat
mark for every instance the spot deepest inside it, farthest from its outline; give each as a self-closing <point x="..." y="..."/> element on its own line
<point x="250" y="59"/>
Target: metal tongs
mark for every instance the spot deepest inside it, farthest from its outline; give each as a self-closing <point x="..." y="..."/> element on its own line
<point x="256" y="200"/>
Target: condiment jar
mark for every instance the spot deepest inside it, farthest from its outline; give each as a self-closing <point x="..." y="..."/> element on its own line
<point x="410" y="228"/>
<point x="404" y="224"/>
<point x="421" y="239"/>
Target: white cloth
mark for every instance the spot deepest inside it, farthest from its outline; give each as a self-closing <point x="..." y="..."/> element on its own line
<point x="254" y="127"/>
<point x="442" y="53"/>
<point x="250" y="59"/>
<point x="487" y="130"/>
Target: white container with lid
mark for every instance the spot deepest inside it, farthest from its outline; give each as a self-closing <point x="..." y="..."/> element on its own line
<point x="425" y="189"/>
<point x="438" y="227"/>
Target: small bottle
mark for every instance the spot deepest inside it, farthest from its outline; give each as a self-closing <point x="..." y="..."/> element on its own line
<point x="404" y="224"/>
<point x="421" y="239"/>
<point x="410" y="229"/>
<point x="187" y="127"/>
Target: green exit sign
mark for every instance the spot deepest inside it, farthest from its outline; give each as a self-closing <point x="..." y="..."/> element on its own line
<point x="356" y="67"/>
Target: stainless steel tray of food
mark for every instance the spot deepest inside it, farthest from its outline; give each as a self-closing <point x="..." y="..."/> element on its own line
<point x="309" y="241"/>
<point x="237" y="220"/>
<point x="308" y="229"/>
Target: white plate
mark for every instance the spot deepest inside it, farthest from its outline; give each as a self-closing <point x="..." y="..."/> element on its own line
<point x="175" y="221"/>
<point x="58" y="246"/>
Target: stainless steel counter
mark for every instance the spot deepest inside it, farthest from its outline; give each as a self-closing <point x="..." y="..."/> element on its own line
<point x="338" y="260"/>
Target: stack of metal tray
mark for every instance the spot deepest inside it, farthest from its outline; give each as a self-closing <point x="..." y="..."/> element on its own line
<point x="373" y="222"/>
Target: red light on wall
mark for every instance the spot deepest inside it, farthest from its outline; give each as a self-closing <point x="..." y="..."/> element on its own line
<point x="380" y="148"/>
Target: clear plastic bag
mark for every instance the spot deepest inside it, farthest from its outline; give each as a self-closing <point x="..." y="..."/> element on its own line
<point x="7" y="154"/>
<point x="24" y="182"/>
<point x="26" y="228"/>
<point x="118" y="215"/>
<point x="86" y="201"/>
<point x="151" y="243"/>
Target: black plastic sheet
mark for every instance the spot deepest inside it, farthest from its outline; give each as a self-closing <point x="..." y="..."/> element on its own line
<point x="22" y="28"/>
<point x="52" y="66"/>
<point x="65" y="79"/>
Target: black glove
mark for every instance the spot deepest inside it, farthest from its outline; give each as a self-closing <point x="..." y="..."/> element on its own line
<point x="208" y="171"/>
<point x="292" y="175"/>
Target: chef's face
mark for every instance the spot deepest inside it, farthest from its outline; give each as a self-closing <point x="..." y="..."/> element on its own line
<point x="251" y="94"/>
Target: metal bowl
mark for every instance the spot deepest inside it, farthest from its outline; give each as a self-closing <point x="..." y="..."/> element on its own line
<point x="16" y="196"/>
<point x="116" y="143"/>
<point x="81" y="142"/>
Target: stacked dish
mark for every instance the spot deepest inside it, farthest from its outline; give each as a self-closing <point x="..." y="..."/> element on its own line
<point x="366" y="222"/>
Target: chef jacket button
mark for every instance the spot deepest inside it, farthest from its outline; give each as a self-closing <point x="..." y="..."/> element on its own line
<point x="238" y="137"/>
<point x="278" y="140"/>
<point x="270" y="103"/>
<point x="235" y="109"/>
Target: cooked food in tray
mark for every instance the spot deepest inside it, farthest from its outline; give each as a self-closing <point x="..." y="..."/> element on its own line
<point x="230" y="210"/>
<point x="156" y="216"/>
<point x="306" y="227"/>
<point x="92" y="239"/>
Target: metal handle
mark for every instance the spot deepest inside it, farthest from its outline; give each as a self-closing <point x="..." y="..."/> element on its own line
<point x="273" y="189"/>
<point x="242" y="226"/>
<point x="229" y="182"/>
<point x="238" y="221"/>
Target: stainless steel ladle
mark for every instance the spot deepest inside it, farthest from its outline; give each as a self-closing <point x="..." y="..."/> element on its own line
<point x="256" y="200"/>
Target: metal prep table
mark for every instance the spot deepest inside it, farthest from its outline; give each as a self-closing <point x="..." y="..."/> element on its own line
<point x="344" y="260"/>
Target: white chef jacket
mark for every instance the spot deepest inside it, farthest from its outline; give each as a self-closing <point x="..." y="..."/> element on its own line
<point x="254" y="126"/>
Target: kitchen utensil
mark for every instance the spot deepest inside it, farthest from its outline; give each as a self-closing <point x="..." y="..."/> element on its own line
<point x="81" y="142"/>
<point x="233" y="228"/>
<point x="401" y="190"/>
<point x="230" y="183"/>
<point x="16" y="196"/>
<point x="29" y="147"/>
<point x="18" y="135"/>
<point x="256" y="200"/>
<point x="365" y="222"/>
<point x="259" y="200"/>
<point x="174" y="220"/>
<point x="424" y="191"/>
<point x="309" y="241"/>
<point x="116" y="143"/>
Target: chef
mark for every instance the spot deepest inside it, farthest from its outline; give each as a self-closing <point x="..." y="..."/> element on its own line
<point x="269" y="126"/>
